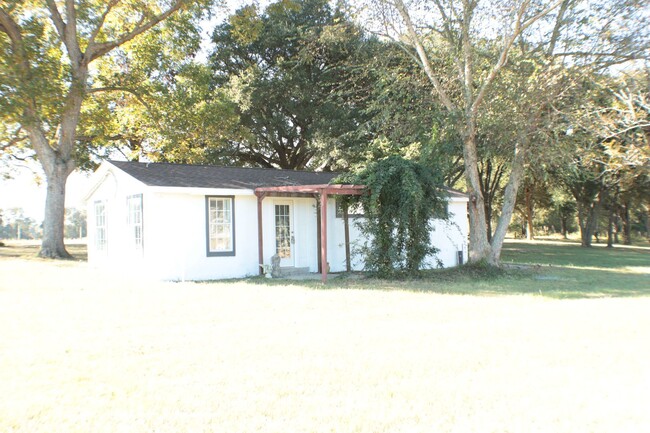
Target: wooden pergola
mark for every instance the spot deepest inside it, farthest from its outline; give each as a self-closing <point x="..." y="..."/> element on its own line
<point x="320" y="193"/>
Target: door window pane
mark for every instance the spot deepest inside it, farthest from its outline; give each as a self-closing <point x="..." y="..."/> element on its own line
<point x="283" y="230"/>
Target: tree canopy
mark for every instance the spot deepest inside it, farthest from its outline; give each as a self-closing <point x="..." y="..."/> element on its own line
<point x="548" y="94"/>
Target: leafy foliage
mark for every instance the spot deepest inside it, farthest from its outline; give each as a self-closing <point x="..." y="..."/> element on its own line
<point x="403" y="198"/>
<point x="283" y="67"/>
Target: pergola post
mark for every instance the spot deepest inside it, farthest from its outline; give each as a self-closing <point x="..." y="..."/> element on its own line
<point x="260" y="232"/>
<point x="346" y="228"/>
<point x="323" y="235"/>
<point x="318" y="227"/>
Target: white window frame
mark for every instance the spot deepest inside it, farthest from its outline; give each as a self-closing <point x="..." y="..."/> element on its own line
<point x="100" y="226"/>
<point x="225" y="225"/>
<point x="134" y="221"/>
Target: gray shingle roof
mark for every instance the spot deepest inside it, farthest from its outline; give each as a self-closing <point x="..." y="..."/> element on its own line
<point x="210" y="176"/>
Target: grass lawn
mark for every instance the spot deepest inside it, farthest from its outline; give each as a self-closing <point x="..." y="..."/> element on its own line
<point x="548" y="269"/>
<point x="29" y="249"/>
<point x="88" y="351"/>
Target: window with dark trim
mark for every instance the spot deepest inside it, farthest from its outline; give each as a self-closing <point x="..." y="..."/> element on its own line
<point x="134" y="220"/>
<point x="355" y="210"/>
<point x="220" y="225"/>
<point x="100" y="226"/>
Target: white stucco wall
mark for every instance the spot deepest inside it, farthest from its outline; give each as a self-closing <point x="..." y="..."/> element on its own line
<point x="450" y="236"/>
<point x="112" y="188"/>
<point x="175" y="239"/>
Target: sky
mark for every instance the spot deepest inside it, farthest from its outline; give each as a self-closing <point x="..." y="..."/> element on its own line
<point x="25" y="191"/>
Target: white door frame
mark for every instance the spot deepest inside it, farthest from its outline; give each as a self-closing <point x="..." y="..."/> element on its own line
<point x="291" y="260"/>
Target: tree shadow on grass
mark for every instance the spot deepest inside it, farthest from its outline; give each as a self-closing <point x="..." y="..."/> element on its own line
<point x="547" y="281"/>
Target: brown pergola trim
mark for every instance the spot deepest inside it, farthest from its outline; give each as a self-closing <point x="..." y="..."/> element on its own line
<point x="313" y="189"/>
<point x="320" y="193"/>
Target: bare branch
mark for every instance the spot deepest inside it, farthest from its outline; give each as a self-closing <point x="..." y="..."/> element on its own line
<point x="15" y="140"/>
<point x="559" y="21"/>
<point x="520" y="27"/>
<point x="103" y="48"/>
<point x="56" y="18"/>
<point x="415" y="40"/>
<point x="121" y="89"/>
<point x="100" y="24"/>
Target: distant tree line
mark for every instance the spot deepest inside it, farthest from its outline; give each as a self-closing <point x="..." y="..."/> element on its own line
<point x="14" y="224"/>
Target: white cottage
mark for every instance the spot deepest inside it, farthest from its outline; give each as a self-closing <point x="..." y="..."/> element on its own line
<point x="200" y="222"/>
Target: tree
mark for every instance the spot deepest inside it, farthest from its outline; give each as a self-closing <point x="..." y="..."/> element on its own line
<point x="605" y="163"/>
<point x="453" y="26"/>
<point x="47" y="52"/>
<point x="75" y="226"/>
<point x="18" y="226"/>
<point x="158" y="101"/>
<point x="283" y="67"/>
<point x="464" y="30"/>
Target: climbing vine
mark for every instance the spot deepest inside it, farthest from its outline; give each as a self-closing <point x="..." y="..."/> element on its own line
<point x="402" y="199"/>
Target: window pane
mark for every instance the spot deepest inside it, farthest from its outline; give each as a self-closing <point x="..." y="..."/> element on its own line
<point x="134" y="220"/>
<point x="220" y="227"/>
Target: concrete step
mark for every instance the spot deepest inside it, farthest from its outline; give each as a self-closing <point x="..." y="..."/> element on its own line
<point x="290" y="271"/>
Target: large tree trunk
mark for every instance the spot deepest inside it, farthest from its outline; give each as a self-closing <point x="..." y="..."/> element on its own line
<point x="58" y="162"/>
<point x="647" y="222"/>
<point x="588" y="220"/>
<point x="509" y="201"/>
<point x="627" y="226"/>
<point x="610" y="228"/>
<point x="563" y="227"/>
<point x="53" y="225"/>
<point x="479" y="247"/>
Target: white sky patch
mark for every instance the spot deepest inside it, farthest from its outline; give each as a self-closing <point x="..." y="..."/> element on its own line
<point x="27" y="190"/>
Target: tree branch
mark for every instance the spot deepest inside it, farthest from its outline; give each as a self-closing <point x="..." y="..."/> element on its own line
<point x="100" y="24"/>
<point x="558" y="25"/>
<point x="415" y="40"/>
<point x="126" y="90"/>
<point x="520" y="27"/>
<point x="103" y="48"/>
<point x="56" y="18"/>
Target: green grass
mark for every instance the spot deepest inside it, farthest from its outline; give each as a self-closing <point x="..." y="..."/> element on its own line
<point x="29" y="250"/>
<point x="556" y="270"/>
<point x="573" y="255"/>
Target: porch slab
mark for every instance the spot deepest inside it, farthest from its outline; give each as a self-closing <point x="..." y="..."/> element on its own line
<point x="306" y="276"/>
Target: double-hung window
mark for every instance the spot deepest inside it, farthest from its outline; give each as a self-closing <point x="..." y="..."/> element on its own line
<point x="134" y="220"/>
<point x="220" y="212"/>
<point x="100" y="226"/>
